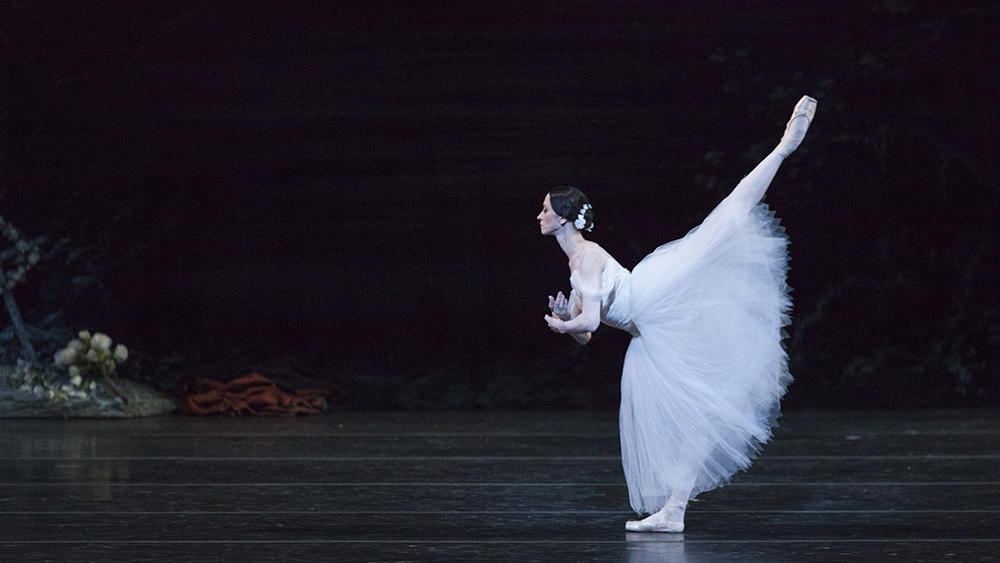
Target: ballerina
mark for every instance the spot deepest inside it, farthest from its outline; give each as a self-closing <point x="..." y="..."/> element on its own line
<point x="705" y="370"/>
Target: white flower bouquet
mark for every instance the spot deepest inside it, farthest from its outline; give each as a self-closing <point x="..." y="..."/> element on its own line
<point x="91" y="357"/>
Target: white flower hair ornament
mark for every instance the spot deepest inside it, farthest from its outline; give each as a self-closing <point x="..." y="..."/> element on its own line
<point x="581" y="219"/>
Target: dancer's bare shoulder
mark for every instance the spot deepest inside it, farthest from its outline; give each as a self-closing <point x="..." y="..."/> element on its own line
<point x="589" y="261"/>
<point x="589" y="253"/>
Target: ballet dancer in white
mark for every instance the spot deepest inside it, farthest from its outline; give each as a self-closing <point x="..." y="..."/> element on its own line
<point x="705" y="370"/>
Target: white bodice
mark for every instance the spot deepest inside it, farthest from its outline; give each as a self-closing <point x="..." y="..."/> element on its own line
<point x="614" y="294"/>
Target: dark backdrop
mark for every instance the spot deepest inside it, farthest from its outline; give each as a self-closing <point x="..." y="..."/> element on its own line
<point x="345" y="196"/>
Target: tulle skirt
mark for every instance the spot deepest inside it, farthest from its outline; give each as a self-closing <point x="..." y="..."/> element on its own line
<point x="702" y="382"/>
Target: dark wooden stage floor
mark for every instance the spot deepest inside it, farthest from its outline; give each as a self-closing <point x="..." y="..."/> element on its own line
<point x="487" y="486"/>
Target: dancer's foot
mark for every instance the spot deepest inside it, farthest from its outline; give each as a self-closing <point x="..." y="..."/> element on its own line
<point x="669" y="519"/>
<point x="660" y="524"/>
<point x="797" y="126"/>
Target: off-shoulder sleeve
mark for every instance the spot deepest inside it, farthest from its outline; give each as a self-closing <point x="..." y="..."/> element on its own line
<point x="586" y="290"/>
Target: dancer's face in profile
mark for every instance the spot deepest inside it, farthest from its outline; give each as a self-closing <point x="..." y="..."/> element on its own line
<point x="548" y="220"/>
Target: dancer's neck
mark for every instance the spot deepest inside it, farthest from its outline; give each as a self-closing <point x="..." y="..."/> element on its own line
<point x="571" y="241"/>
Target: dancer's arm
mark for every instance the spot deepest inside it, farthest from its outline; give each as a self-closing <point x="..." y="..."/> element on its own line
<point x="565" y="310"/>
<point x="580" y="327"/>
<point x="582" y="338"/>
<point x="588" y="317"/>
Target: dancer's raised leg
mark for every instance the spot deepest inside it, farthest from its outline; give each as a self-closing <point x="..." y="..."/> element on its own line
<point x="670" y="518"/>
<point x="751" y="189"/>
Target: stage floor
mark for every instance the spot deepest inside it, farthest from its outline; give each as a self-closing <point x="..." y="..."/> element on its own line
<point x="487" y="486"/>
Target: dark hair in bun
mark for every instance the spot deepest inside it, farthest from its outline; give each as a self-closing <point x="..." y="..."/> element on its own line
<point x="568" y="201"/>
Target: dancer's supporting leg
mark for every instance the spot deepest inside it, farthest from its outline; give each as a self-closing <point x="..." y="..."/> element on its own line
<point x="670" y="518"/>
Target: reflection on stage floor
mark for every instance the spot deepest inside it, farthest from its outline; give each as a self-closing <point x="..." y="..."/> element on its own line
<point x="487" y="486"/>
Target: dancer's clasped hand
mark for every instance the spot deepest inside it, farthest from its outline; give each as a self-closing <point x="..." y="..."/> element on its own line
<point x="557" y="325"/>
<point x="559" y="306"/>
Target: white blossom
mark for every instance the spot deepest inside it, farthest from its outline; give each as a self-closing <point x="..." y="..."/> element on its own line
<point x="84" y="335"/>
<point x="65" y="357"/>
<point x="92" y="355"/>
<point x="121" y="353"/>
<point x="76" y="381"/>
<point x="100" y="341"/>
<point x="74" y="371"/>
<point x="581" y="219"/>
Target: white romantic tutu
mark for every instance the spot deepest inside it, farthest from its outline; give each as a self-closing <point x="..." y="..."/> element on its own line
<point x="703" y="379"/>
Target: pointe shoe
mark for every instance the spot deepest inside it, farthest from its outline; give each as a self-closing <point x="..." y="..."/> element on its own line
<point x="797" y="125"/>
<point x="643" y="526"/>
<point x="655" y="523"/>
